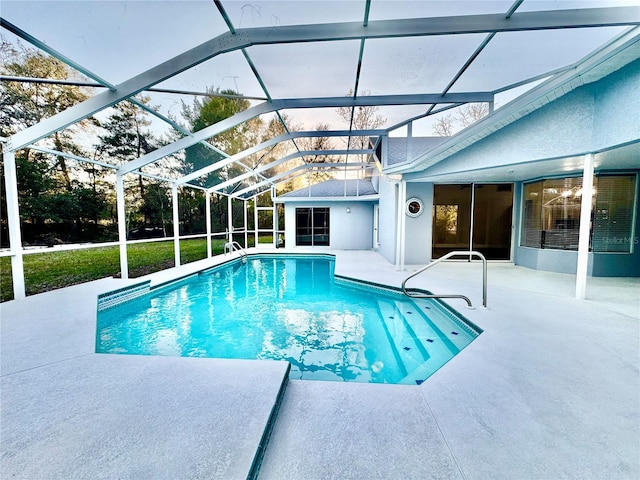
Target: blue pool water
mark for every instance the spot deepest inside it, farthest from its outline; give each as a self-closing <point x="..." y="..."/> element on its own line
<point x="290" y="308"/>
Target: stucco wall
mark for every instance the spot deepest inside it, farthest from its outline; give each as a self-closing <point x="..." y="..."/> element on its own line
<point x="418" y="230"/>
<point x="348" y="231"/>
<point x="587" y="119"/>
<point x="388" y="214"/>
<point x="560" y="261"/>
<point x="617" y="103"/>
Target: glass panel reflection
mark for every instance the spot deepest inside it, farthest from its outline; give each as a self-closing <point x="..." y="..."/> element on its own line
<point x="451" y="219"/>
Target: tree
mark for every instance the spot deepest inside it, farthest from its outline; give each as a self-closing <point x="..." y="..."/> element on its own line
<point x="199" y="115"/>
<point x="470" y="113"/>
<point x="25" y="104"/>
<point x="52" y="197"/>
<point x="317" y="175"/>
<point x="204" y="113"/>
<point x="361" y="118"/>
<point x="155" y="203"/>
<point x="445" y="125"/>
<point x="126" y="137"/>
<point x="465" y="116"/>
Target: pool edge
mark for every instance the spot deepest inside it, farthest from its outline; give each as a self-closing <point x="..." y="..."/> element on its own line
<point x="256" y="463"/>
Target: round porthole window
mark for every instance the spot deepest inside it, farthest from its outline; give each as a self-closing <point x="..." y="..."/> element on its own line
<point x="414" y="207"/>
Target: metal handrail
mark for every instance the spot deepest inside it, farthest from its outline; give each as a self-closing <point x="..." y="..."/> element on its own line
<point x="469" y="253"/>
<point x="235" y="246"/>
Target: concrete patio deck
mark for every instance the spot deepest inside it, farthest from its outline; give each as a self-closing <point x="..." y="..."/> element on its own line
<point x="550" y="389"/>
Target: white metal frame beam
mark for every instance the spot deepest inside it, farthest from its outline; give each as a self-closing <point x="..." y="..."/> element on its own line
<point x="277" y="179"/>
<point x="325" y="102"/>
<point x="243" y="38"/>
<point x="244" y="176"/>
<point x="13" y="220"/>
<point x="77" y="83"/>
<point x="274" y="141"/>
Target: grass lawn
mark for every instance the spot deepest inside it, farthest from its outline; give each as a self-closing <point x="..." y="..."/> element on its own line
<point x="50" y="270"/>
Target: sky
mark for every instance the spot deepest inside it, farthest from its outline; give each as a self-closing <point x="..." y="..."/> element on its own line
<point x="117" y="40"/>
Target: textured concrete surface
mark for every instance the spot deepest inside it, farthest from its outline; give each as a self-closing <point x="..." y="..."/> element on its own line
<point x="67" y="412"/>
<point x="50" y="327"/>
<point x="117" y="416"/>
<point x="550" y="390"/>
<point x="356" y="431"/>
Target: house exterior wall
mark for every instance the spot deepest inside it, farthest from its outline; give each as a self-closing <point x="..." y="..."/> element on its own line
<point x="351" y="231"/>
<point x="563" y="261"/>
<point x="559" y="261"/>
<point x="347" y="231"/>
<point x="591" y="118"/>
<point x="587" y="119"/>
<point x="388" y="219"/>
<point x="419" y="229"/>
<point x="617" y="104"/>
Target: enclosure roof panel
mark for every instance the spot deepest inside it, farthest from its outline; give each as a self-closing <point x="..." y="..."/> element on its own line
<point x="391" y="62"/>
<point x="117" y="40"/>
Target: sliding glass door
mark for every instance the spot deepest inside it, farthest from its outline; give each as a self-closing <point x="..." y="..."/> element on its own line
<point x="479" y="215"/>
<point x="451" y="218"/>
<point x="312" y="226"/>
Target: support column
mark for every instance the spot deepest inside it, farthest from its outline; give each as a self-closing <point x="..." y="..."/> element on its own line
<point x="403" y="223"/>
<point x="585" y="226"/>
<point x="207" y="210"/>
<point x="409" y="141"/>
<point x="176" y="224"/>
<point x="276" y="224"/>
<point x="256" y="235"/>
<point x="230" y="219"/>
<point x="398" y="203"/>
<point x="122" y="226"/>
<point x="385" y="151"/>
<point x="400" y="225"/>
<point x="246" y="224"/>
<point x="13" y="221"/>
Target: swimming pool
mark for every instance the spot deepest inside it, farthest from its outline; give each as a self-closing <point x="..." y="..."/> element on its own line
<point x="290" y="308"/>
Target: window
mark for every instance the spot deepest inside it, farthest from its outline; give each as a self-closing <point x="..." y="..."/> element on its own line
<point x="312" y="226"/>
<point x="551" y="213"/>
<point x="613" y="214"/>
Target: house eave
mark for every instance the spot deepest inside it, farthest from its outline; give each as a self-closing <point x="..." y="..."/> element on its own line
<point x="616" y="54"/>
<point x="361" y="198"/>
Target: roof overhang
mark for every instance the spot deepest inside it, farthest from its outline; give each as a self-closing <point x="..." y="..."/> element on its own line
<point x="611" y="57"/>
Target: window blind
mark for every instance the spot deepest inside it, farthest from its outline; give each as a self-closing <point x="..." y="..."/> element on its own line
<point x="613" y="215"/>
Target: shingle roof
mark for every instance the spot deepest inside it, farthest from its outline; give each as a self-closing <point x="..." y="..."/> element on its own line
<point x="419" y="146"/>
<point x="335" y="188"/>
